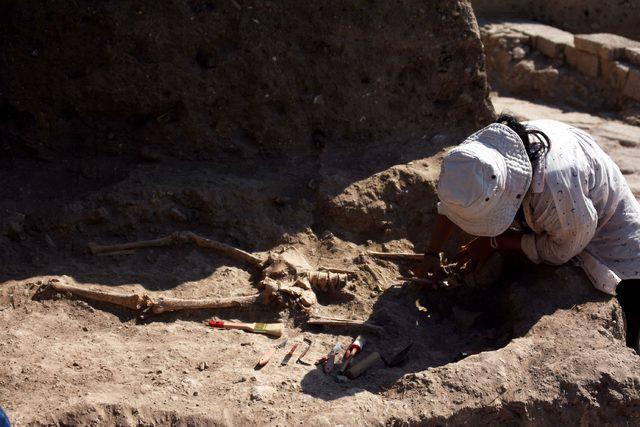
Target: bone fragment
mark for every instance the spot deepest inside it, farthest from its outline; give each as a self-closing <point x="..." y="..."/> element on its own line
<point x="337" y="270"/>
<point x="180" y="237"/>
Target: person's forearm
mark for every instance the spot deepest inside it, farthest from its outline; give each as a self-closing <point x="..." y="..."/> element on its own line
<point x="441" y="232"/>
<point x="509" y="240"/>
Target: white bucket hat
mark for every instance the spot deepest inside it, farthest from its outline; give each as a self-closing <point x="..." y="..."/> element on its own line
<point x="483" y="181"/>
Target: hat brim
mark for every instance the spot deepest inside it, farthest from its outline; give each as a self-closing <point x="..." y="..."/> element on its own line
<point x="497" y="220"/>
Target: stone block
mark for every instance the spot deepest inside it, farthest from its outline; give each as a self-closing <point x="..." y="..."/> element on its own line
<point x="554" y="43"/>
<point x="614" y="73"/>
<point x="571" y="56"/>
<point x="632" y="54"/>
<point x="632" y="86"/>
<point x="587" y="63"/>
<point x="606" y="46"/>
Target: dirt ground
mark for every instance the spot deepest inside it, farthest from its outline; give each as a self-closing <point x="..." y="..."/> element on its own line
<point x="271" y="126"/>
<point x="540" y="347"/>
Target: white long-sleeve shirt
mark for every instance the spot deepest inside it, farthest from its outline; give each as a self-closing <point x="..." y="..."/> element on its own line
<point x="580" y="207"/>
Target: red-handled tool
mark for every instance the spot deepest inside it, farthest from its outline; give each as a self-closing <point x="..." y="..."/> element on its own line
<point x="269" y="353"/>
<point x="289" y="355"/>
<point x="354" y="348"/>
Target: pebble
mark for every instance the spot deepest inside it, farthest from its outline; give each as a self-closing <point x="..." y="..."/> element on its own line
<point x="255" y="395"/>
<point x="627" y="143"/>
<point x="518" y="53"/>
<point x="261" y="393"/>
<point x="202" y="366"/>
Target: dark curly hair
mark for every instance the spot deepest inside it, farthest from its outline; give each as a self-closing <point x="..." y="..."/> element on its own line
<point x="535" y="147"/>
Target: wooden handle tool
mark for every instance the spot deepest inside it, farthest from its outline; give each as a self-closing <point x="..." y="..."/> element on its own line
<point x="274" y="329"/>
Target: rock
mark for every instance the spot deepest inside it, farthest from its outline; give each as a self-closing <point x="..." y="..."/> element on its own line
<point x="627" y="143"/>
<point x="203" y="366"/>
<point x="84" y="305"/>
<point x="261" y="393"/>
<point x="518" y="53"/>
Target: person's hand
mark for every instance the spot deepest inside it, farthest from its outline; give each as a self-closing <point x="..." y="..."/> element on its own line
<point x="429" y="268"/>
<point x="473" y="254"/>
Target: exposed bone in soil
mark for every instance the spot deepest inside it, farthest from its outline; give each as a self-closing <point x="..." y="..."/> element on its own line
<point x="267" y="126"/>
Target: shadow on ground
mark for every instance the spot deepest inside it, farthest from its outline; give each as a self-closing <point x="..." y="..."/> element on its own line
<point x="457" y="323"/>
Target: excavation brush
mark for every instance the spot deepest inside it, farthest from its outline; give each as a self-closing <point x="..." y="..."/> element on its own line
<point x="274" y="329"/>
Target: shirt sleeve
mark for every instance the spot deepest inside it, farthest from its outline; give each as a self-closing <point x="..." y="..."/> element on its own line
<point x="566" y="222"/>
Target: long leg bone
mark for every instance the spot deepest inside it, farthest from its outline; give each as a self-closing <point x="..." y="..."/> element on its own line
<point x="160" y="305"/>
<point x="180" y="237"/>
<point x="132" y="301"/>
